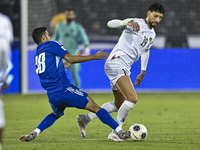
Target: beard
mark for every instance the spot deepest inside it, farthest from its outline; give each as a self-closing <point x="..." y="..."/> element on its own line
<point x="69" y="20"/>
<point x="151" y="24"/>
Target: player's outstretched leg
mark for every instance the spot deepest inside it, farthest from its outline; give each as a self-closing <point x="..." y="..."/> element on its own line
<point x="106" y="118"/>
<point x="83" y="120"/>
<point x="125" y="100"/>
<point x="46" y="123"/>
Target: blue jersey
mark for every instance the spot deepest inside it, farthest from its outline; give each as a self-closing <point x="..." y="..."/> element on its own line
<point x="49" y="66"/>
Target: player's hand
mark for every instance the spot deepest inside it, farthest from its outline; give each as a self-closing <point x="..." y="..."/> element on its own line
<point x="101" y="55"/>
<point x="139" y="79"/>
<point x="79" y="53"/>
<point x="134" y="25"/>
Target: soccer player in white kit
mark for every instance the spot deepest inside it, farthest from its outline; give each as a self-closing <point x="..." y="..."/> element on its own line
<point x="6" y="38"/>
<point x="135" y="41"/>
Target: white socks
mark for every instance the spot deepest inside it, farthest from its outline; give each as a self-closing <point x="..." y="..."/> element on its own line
<point x="110" y="107"/>
<point x="118" y="129"/>
<point x="123" y="111"/>
<point x="38" y="131"/>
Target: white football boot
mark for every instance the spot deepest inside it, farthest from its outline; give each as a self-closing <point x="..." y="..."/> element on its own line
<point x="82" y="125"/>
<point x="28" y="137"/>
<point x="120" y="136"/>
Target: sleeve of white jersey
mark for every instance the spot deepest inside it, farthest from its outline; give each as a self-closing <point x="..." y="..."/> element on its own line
<point x="144" y="60"/>
<point x="116" y="23"/>
<point x="10" y="30"/>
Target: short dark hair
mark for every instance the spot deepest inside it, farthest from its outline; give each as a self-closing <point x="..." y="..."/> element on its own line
<point x="157" y="8"/>
<point x="37" y="34"/>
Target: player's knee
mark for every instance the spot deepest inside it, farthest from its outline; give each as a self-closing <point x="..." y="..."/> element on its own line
<point x="94" y="108"/>
<point x="57" y="116"/>
<point x="133" y="99"/>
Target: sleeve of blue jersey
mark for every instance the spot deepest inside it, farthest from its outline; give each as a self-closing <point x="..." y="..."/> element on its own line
<point x="58" y="49"/>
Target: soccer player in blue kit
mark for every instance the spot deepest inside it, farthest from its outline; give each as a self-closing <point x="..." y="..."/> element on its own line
<point x="61" y="93"/>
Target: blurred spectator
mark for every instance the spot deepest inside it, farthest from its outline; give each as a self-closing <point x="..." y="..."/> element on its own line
<point x="56" y="20"/>
<point x="6" y="38"/>
<point x="68" y="33"/>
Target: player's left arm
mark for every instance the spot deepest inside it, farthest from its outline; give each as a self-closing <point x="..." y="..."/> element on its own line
<point x="144" y="62"/>
<point x="84" y="39"/>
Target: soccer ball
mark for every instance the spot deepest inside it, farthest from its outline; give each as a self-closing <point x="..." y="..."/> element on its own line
<point x="138" y="132"/>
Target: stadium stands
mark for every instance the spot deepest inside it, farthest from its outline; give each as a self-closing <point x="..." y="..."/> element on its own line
<point x="180" y="20"/>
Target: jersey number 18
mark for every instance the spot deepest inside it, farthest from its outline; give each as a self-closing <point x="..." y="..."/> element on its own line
<point x="40" y="63"/>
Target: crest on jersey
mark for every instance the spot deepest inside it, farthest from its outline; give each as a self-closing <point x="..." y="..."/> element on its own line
<point x="150" y="39"/>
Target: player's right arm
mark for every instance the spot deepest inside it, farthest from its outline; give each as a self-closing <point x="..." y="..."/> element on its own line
<point x="116" y="23"/>
<point x="78" y="59"/>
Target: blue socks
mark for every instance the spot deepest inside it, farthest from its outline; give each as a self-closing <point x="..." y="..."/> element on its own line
<point x="47" y="122"/>
<point x="103" y="115"/>
<point x="106" y="118"/>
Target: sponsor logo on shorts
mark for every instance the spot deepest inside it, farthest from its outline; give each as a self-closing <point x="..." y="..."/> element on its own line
<point x="76" y="91"/>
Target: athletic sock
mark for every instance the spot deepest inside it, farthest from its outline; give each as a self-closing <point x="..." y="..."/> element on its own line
<point x="106" y="118"/>
<point x="46" y="122"/>
<point x="123" y="111"/>
<point x="110" y="107"/>
<point x="38" y="131"/>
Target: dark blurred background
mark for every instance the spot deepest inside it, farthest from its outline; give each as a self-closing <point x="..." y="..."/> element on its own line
<point x="181" y="20"/>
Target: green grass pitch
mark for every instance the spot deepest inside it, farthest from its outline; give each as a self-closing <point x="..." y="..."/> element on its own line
<point x="172" y="120"/>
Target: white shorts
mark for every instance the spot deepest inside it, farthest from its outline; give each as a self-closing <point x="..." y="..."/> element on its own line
<point x="116" y="68"/>
<point x="2" y="117"/>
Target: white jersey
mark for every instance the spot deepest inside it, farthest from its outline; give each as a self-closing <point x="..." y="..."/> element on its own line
<point x="131" y="44"/>
<point x="6" y="38"/>
<point x="6" y="29"/>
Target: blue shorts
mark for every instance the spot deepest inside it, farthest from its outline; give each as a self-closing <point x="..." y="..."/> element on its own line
<point x="70" y="96"/>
